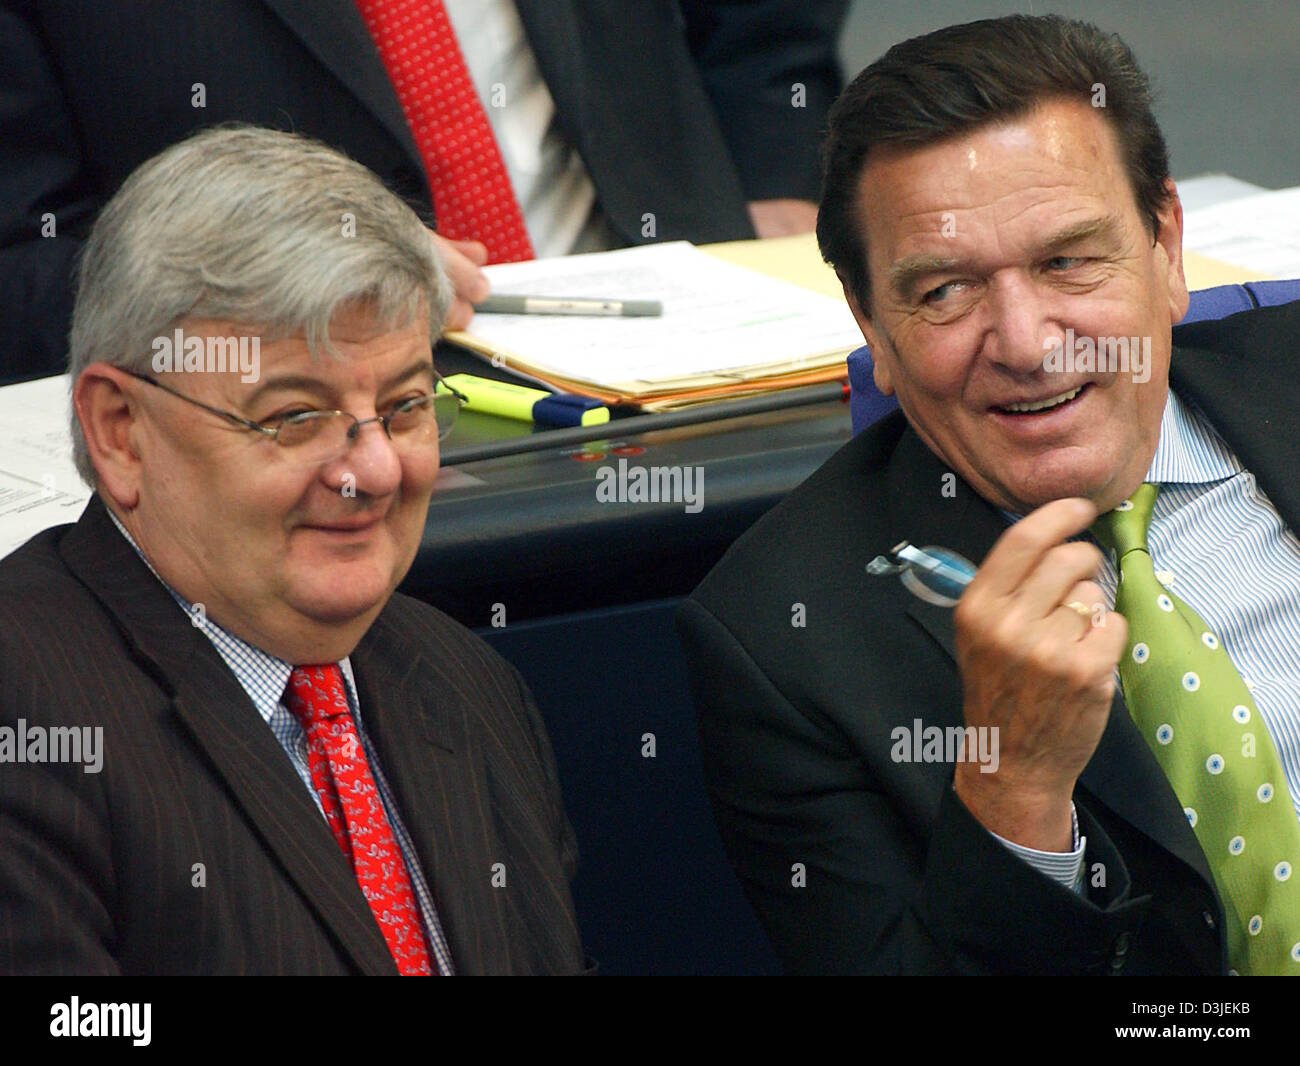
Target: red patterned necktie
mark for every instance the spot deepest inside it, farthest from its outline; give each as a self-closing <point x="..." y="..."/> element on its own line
<point x="342" y="779"/>
<point x="472" y="196"/>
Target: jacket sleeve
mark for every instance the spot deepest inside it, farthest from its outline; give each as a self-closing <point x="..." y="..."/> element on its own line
<point x="772" y="71"/>
<point x="842" y="879"/>
<point x="46" y="204"/>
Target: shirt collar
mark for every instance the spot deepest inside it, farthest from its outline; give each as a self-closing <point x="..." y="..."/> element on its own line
<point x="262" y="675"/>
<point x="1189" y="451"/>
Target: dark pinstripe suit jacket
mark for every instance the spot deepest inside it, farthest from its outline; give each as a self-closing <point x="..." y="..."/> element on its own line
<point x="98" y="870"/>
<point x="796" y="724"/>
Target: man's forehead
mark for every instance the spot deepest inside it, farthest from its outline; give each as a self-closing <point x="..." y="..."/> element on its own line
<point x="1057" y="144"/>
<point x="378" y="361"/>
<point x="364" y="356"/>
<point x="1013" y="188"/>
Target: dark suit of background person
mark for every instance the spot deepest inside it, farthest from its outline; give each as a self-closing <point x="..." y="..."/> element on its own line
<point x="97" y="869"/>
<point x="685" y="112"/>
<point x="900" y="876"/>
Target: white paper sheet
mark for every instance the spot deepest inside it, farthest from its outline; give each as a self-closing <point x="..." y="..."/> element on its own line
<point x="718" y="317"/>
<point x="39" y="486"/>
<point x="1260" y="233"/>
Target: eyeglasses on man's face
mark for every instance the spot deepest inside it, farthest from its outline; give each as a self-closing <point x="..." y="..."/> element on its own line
<point x="314" y="436"/>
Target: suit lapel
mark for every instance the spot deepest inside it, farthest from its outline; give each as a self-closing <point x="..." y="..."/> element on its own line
<point x="335" y="33"/>
<point x="1246" y="391"/>
<point x="420" y="720"/>
<point x="226" y="726"/>
<point x="1122" y="773"/>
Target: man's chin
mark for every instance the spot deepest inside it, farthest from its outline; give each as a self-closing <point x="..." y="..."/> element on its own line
<point x="1099" y="471"/>
<point x="341" y="598"/>
<point x="1033" y="493"/>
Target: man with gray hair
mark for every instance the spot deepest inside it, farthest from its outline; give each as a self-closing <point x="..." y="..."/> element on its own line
<point x="302" y="771"/>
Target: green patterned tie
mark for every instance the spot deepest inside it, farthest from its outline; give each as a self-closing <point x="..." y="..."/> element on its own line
<point x="1195" y="711"/>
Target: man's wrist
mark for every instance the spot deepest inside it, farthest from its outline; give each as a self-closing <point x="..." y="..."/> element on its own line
<point x="1041" y="822"/>
<point x="1064" y="867"/>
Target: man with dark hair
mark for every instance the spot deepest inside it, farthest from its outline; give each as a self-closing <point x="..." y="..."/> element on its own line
<point x="906" y="788"/>
<point x="977" y="73"/>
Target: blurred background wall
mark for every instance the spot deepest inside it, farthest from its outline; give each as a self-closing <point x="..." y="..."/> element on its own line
<point x="1226" y="72"/>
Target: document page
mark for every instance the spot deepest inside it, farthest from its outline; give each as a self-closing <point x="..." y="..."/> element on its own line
<point x="1260" y="233"/>
<point x="39" y="486"/>
<point x="718" y="319"/>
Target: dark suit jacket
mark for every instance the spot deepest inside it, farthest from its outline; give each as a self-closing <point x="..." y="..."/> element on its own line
<point x="796" y="721"/>
<point x="97" y="871"/>
<point x="684" y="120"/>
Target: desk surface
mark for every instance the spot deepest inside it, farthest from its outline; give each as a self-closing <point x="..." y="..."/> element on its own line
<point x="528" y="531"/>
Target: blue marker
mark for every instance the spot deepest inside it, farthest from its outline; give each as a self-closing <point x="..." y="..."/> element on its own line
<point x="529" y="405"/>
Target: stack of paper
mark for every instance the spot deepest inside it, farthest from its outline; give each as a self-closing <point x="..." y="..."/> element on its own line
<point x="1260" y="233"/>
<point x="725" y="329"/>
<point x="39" y="486"/>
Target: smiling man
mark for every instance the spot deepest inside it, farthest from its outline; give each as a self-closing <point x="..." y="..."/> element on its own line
<point x="998" y="206"/>
<point x="978" y="270"/>
<point x="303" y="771"/>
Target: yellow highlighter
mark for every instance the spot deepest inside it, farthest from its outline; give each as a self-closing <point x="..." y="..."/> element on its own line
<point x="528" y="405"/>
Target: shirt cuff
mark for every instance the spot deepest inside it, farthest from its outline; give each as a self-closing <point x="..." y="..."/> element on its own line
<point x="1064" y="867"/>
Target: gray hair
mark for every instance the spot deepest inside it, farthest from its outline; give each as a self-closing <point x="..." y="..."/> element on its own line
<point x="271" y="230"/>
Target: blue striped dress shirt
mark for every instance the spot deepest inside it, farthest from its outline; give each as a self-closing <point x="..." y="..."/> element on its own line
<point x="265" y="677"/>
<point x="1219" y="544"/>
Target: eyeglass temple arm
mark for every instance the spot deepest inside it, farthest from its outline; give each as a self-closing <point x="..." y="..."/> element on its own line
<point x="230" y="416"/>
<point x="441" y="382"/>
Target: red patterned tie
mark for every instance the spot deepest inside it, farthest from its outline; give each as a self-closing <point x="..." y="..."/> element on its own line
<point x="472" y="197"/>
<point x="341" y="777"/>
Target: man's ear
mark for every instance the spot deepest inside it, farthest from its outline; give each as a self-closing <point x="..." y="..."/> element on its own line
<point x="105" y="405"/>
<point x="879" y="366"/>
<point x="1169" y="239"/>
